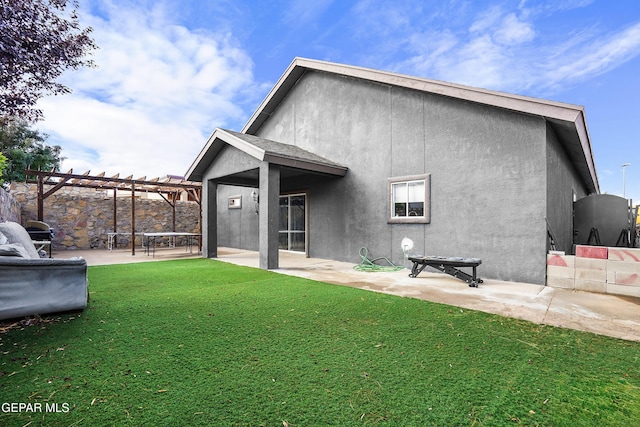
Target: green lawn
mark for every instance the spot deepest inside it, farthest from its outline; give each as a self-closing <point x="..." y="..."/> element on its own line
<point x="200" y="342"/>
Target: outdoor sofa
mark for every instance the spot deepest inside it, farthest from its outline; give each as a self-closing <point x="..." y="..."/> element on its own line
<point x="31" y="285"/>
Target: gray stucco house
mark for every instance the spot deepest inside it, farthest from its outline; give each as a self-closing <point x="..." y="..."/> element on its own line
<point x="339" y="157"/>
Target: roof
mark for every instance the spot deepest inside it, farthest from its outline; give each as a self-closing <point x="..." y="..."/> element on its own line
<point x="567" y="120"/>
<point x="264" y="150"/>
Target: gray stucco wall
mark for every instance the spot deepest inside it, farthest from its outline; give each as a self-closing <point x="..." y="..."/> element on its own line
<point x="487" y="166"/>
<point x="495" y="176"/>
<point x="234" y="227"/>
<point x="237" y="228"/>
<point x="563" y="183"/>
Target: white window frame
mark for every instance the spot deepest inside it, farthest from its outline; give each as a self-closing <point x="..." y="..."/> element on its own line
<point x="426" y="218"/>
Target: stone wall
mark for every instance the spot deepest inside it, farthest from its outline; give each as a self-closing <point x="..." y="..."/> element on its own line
<point x="82" y="217"/>
<point x="9" y="207"/>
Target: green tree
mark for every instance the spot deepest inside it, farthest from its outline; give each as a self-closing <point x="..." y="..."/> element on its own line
<point x="24" y="148"/>
<point x="39" y="40"/>
<point x="3" y="166"/>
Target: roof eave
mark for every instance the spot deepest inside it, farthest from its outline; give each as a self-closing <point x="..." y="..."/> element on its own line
<point x="220" y="137"/>
<point x="299" y="66"/>
<point x="210" y="150"/>
<point x="585" y="141"/>
<point x="295" y="163"/>
<point x="194" y="173"/>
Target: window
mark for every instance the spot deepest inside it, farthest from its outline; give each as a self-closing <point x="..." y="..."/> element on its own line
<point x="409" y="199"/>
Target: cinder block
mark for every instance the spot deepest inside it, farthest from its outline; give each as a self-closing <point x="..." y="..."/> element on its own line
<point x="561" y="282"/>
<point x="632" y="291"/>
<point x="591" y="264"/>
<point x="623" y="267"/>
<point x="561" y="260"/>
<point x="556" y="271"/>
<point x="592" y="275"/>
<point x="598" y="252"/>
<point x="624" y="254"/>
<point x="627" y="279"/>
<point x="591" y="286"/>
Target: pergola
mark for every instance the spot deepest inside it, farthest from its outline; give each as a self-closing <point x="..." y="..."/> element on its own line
<point x="168" y="188"/>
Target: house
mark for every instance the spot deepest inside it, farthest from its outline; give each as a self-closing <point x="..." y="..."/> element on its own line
<point x="339" y="157"/>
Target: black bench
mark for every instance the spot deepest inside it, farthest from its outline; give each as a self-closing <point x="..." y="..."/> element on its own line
<point x="448" y="265"/>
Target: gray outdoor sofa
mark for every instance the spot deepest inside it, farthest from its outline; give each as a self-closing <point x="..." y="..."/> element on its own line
<point x="31" y="285"/>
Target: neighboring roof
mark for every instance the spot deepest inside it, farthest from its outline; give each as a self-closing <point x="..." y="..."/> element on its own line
<point x="263" y="150"/>
<point x="567" y="120"/>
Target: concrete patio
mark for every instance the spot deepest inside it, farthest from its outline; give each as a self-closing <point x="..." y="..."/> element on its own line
<point x="598" y="313"/>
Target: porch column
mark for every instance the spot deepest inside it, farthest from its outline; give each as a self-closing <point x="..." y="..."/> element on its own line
<point x="210" y="229"/>
<point x="269" y="215"/>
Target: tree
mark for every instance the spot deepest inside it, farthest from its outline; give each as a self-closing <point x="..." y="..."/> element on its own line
<point x="3" y="166"/>
<point x="25" y="148"/>
<point x="39" y="40"/>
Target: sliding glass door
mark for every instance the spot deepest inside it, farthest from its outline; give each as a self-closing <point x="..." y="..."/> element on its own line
<point x="293" y="233"/>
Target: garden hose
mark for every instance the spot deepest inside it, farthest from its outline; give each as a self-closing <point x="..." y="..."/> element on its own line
<point x="369" y="265"/>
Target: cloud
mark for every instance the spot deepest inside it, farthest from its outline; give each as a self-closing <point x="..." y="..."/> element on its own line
<point x="597" y="55"/>
<point x="513" y="31"/>
<point x="300" y="13"/>
<point x="483" y="53"/>
<point x="501" y="49"/>
<point x="157" y="93"/>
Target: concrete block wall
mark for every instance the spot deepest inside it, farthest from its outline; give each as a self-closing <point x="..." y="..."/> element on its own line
<point x="596" y="269"/>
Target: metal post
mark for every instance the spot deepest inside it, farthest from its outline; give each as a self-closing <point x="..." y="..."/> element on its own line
<point x="133" y="219"/>
<point x="624" y="179"/>
<point x="173" y="206"/>
<point x="115" y="221"/>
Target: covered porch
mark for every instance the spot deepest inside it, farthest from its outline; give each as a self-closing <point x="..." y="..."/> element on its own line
<point x="237" y="159"/>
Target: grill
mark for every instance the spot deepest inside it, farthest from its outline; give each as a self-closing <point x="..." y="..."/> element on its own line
<point x="41" y="234"/>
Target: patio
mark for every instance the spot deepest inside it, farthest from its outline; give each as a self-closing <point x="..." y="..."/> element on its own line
<point x="598" y="313"/>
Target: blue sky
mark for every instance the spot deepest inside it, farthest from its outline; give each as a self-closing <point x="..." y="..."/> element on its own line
<point x="169" y="72"/>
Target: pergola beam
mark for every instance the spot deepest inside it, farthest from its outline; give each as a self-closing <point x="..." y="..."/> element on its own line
<point x="85" y="180"/>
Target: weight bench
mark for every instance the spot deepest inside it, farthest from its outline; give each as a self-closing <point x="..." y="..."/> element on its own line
<point x="449" y="265"/>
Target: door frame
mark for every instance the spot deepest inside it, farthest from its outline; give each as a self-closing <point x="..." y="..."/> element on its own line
<point x="306" y="221"/>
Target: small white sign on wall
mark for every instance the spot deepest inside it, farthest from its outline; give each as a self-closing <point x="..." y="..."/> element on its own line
<point x="235" y="202"/>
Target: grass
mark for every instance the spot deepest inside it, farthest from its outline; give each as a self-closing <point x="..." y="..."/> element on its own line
<point x="200" y="342"/>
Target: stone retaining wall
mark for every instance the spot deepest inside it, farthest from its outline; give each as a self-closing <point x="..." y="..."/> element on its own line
<point x="82" y="217"/>
<point x="9" y="207"/>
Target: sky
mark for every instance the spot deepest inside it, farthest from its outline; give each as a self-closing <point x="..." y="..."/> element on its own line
<point x="171" y="71"/>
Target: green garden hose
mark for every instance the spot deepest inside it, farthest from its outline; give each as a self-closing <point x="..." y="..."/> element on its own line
<point x="369" y="265"/>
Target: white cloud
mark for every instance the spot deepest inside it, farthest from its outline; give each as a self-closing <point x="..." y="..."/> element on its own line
<point x="158" y="91"/>
<point x="303" y="12"/>
<point x="501" y="49"/>
<point x="487" y="20"/>
<point x="513" y="31"/>
<point x="595" y="56"/>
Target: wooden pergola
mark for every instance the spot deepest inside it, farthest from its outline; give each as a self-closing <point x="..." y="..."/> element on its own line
<point x="168" y="188"/>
